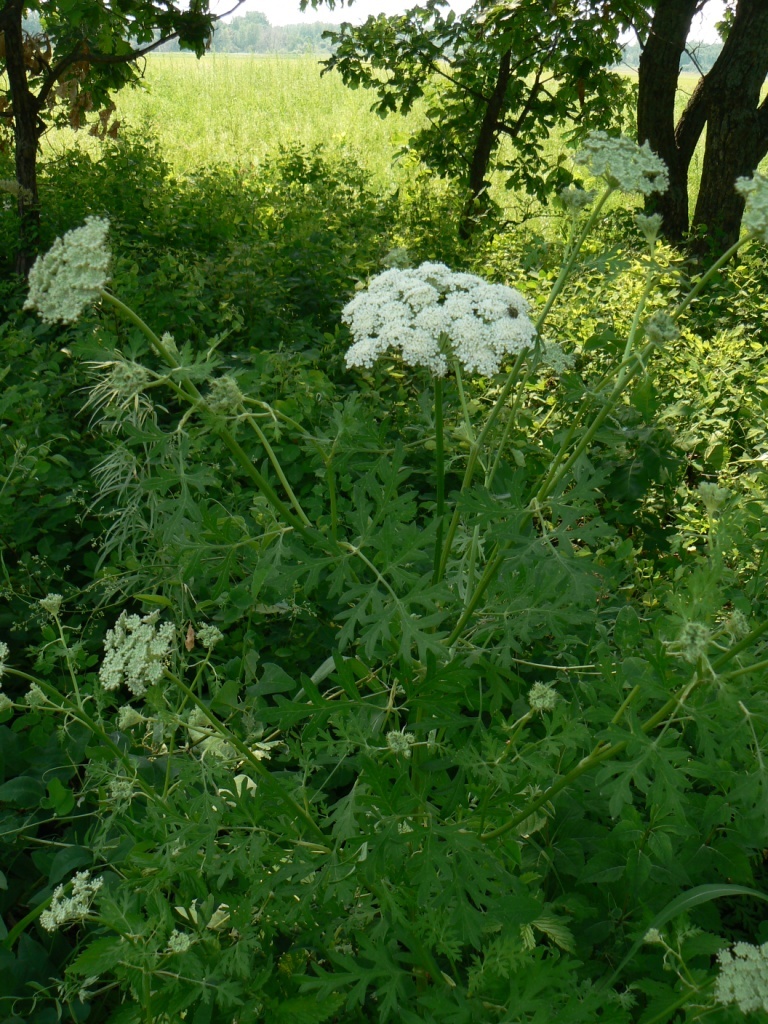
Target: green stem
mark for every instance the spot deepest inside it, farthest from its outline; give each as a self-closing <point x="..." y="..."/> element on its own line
<point x="474" y="454"/>
<point x="63" y="703"/>
<point x="683" y="305"/>
<point x="742" y="645"/>
<point x="439" y="476"/>
<point x="567" y="267"/>
<point x="279" y="470"/>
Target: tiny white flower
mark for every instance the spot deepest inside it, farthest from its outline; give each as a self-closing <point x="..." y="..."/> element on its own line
<point x="136" y="652"/>
<point x="622" y="164"/>
<point x="35" y="697"/>
<point x="5" y="703"/>
<point x="66" y="909"/>
<point x="743" y="977"/>
<point x="4" y="652"/>
<point x="179" y="942"/>
<point x="400" y="742"/>
<point x="71" y="274"/>
<point x="575" y="199"/>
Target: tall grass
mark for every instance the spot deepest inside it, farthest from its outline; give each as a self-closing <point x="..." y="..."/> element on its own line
<point x="239" y="108"/>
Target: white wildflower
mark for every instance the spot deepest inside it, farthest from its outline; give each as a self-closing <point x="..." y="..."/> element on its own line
<point x="5" y="703"/>
<point x="137" y="651"/>
<point x="654" y="937"/>
<point x="65" y="909"/>
<point x="755" y="192"/>
<point x="51" y="603"/>
<point x="209" y="635"/>
<point x="431" y="314"/>
<point x="622" y="164"/>
<point x="400" y="742"/>
<point x="542" y="697"/>
<point x="71" y="274"/>
<point x="4" y="652"/>
<point x="13" y="188"/>
<point x="743" y="977"/>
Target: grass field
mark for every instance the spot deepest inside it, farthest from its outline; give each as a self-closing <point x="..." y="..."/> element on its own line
<point x="238" y="109"/>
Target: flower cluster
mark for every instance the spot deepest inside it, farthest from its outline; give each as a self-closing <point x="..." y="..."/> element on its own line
<point x="400" y="742"/>
<point x="431" y="314"/>
<point x="4" y="652"/>
<point x="51" y="603"/>
<point x="71" y="274"/>
<point x="693" y="641"/>
<point x="622" y="164"/>
<point x="542" y="697"/>
<point x="64" y="909"/>
<point x="755" y="191"/>
<point x="743" y="977"/>
<point x="137" y="650"/>
<point x="575" y="199"/>
<point x="209" y="635"/>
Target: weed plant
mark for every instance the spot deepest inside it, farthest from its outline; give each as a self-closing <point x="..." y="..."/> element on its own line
<point x="367" y="694"/>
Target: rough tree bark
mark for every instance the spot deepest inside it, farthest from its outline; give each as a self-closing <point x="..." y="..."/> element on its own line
<point x="27" y="129"/>
<point x="737" y="123"/>
<point x="485" y="144"/>
<point x="658" y="74"/>
<point x="726" y="100"/>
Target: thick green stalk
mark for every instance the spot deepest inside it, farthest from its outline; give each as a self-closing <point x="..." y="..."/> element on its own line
<point x="684" y="303"/>
<point x="567" y="266"/>
<point x="278" y="470"/>
<point x="439" y="476"/>
<point x="474" y="454"/>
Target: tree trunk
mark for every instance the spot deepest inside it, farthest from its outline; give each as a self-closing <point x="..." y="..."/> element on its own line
<point x="26" y="136"/>
<point x="736" y="123"/>
<point x="657" y="87"/>
<point x="487" y="138"/>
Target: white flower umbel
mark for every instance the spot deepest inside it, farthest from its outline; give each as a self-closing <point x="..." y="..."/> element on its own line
<point x="622" y="164"/>
<point x="431" y="314"/>
<point x="71" y="274"/>
<point x="743" y="977"/>
<point x="137" y="651"/>
<point x="65" y="909"/>
<point x="755" y="191"/>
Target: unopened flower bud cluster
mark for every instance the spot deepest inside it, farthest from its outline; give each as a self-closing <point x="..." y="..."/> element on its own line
<point x="51" y="603"/>
<point x="542" y="697"/>
<point x="430" y="315"/>
<point x="400" y="742"/>
<point x="71" y="274"/>
<point x="66" y="909"/>
<point x="622" y="164"/>
<point x="137" y="651"/>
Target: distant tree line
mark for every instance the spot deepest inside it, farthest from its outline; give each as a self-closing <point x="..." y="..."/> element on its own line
<point x="697" y="58"/>
<point x="252" y="33"/>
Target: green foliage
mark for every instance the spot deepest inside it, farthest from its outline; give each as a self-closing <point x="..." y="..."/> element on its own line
<point x="494" y="72"/>
<point x="391" y="791"/>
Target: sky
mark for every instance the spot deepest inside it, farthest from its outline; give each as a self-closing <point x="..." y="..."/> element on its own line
<point x="286" y="12"/>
